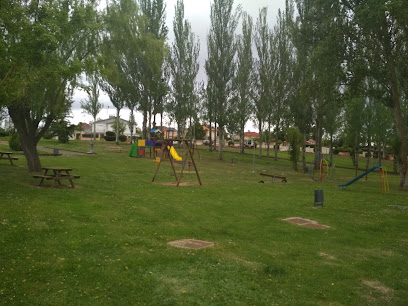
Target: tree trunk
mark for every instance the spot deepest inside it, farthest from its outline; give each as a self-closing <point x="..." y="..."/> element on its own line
<point x="304" y="151"/>
<point x="331" y="149"/>
<point x="144" y="132"/>
<point x="395" y="164"/>
<point x="276" y="140"/>
<point x="241" y="140"/>
<point x="356" y="148"/>
<point x="94" y="129"/>
<point x="402" y="134"/>
<point x="215" y="136"/>
<point x="29" y="146"/>
<point x="318" y="146"/>
<point x="117" y="125"/>
<point x="210" y="138"/>
<point x="28" y="138"/>
<point x="268" y="140"/>
<point x="260" y="139"/>
<point x="368" y="153"/>
<point x="221" y="142"/>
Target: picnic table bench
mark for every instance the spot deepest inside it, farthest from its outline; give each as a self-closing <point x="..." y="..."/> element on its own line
<point x="9" y="157"/>
<point x="283" y="178"/>
<point x="57" y="174"/>
<point x="117" y="149"/>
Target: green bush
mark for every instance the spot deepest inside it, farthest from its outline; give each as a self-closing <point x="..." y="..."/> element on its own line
<point x="294" y="137"/>
<point x="2" y="132"/>
<point x="14" y="142"/>
<point x="110" y="136"/>
<point x="122" y="138"/>
<point x="63" y="137"/>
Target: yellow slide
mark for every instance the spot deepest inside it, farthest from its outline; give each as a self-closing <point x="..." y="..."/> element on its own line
<point x="174" y="153"/>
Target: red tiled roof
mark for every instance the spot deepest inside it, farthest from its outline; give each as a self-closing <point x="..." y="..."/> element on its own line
<point x="251" y="134"/>
<point x="86" y="126"/>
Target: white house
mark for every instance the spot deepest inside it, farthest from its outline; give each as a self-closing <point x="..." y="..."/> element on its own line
<point x="103" y="126"/>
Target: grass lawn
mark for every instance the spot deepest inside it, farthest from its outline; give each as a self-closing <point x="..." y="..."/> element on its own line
<point x="105" y="242"/>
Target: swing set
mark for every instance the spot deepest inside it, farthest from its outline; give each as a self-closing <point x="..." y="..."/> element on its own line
<point x="168" y="153"/>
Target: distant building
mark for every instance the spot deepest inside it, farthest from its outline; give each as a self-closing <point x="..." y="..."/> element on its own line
<point x="101" y="127"/>
<point x="250" y="135"/>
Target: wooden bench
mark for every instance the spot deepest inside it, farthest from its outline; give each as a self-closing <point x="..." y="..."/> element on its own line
<point x="8" y="157"/>
<point x="283" y="178"/>
<point x="117" y="149"/>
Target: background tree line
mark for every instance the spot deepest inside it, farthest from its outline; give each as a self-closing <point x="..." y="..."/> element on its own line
<point x="334" y="70"/>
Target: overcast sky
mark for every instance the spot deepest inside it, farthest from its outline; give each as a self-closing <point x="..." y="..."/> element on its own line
<point x="198" y="13"/>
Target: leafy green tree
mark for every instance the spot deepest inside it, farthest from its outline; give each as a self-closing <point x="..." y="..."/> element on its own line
<point x="119" y="129"/>
<point x="63" y="130"/>
<point x="242" y="106"/>
<point x="294" y="137"/>
<point x="319" y="38"/>
<point x="91" y="105"/>
<point x="378" y="36"/>
<point x="153" y="32"/>
<point x="281" y="49"/>
<point x="299" y="104"/>
<point x="220" y="65"/>
<point x="263" y="93"/>
<point x="196" y="131"/>
<point x="354" y="126"/>
<point x="119" y="24"/>
<point x="184" y="68"/>
<point x="44" y="45"/>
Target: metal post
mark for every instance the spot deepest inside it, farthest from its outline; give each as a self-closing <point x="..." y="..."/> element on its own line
<point x="253" y="159"/>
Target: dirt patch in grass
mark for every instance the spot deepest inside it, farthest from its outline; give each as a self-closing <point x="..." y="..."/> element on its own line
<point x="191" y="244"/>
<point x="378" y="286"/>
<point x="327" y="256"/>
<point x="306" y="222"/>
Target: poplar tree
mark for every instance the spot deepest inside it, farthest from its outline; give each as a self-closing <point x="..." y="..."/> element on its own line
<point x="382" y="28"/>
<point x="184" y="68"/>
<point x="220" y="65"/>
<point x="242" y="106"/>
<point x="263" y="93"/>
<point x="91" y="105"/>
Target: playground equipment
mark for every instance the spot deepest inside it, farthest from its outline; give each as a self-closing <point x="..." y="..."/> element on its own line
<point x="168" y="152"/>
<point x="385" y="188"/>
<point x="173" y="153"/>
<point x="283" y="178"/>
<point x="321" y="169"/>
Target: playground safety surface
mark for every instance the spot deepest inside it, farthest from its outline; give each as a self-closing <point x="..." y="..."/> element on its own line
<point x="305" y="222"/>
<point x="191" y="244"/>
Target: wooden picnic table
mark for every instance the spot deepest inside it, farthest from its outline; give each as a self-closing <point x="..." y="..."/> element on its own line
<point x="56" y="174"/>
<point x="9" y="157"/>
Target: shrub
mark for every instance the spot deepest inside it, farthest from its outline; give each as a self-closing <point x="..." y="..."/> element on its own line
<point x="14" y="142"/>
<point x="63" y="138"/>
<point x="122" y="138"/>
<point x="109" y="138"/>
<point x="294" y="137"/>
<point x="2" y="132"/>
